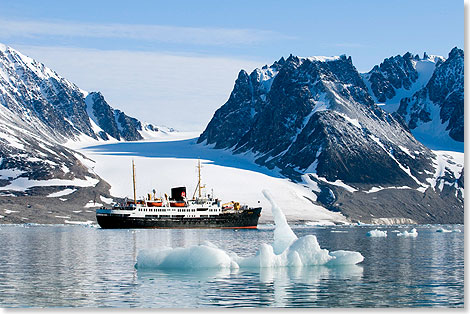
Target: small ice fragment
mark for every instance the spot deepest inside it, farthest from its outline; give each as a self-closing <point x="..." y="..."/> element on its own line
<point x="345" y="258"/>
<point x="377" y="233"/>
<point x="412" y="233"/>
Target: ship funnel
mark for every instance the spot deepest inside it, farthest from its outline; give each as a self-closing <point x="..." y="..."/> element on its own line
<point x="179" y="193"/>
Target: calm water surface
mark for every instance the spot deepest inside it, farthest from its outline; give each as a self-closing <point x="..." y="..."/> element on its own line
<point x="78" y="266"/>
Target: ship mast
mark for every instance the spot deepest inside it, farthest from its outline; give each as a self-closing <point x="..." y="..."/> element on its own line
<point x="133" y="181"/>
<point x="199" y="176"/>
<point x="199" y="186"/>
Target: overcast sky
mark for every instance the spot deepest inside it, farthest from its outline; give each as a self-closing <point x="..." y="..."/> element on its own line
<point x="175" y="62"/>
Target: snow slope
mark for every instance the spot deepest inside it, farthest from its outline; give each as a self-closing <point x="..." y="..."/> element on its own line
<point x="162" y="164"/>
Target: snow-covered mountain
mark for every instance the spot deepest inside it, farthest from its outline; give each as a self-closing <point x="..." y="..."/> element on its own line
<point x="427" y="92"/>
<point x="399" y="76"/>
<point x="109" y="123"/>
<point x="435" y="113"/>
<point x="314" y="120"/>
<point x="42" y="115"/>
<point x="58" y="108"/>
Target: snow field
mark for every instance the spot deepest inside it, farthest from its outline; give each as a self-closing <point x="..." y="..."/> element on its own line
<point x="228" y="177"/>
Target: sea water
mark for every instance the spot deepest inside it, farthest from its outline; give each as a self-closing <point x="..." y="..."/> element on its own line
<point x="83" y="266"/>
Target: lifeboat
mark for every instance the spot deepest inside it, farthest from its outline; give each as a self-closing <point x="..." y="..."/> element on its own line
<point x="177" y="204"/>
<point x="154" y="204"/>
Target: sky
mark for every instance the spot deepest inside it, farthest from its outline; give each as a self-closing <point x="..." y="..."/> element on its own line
<point x="174" y="63"/>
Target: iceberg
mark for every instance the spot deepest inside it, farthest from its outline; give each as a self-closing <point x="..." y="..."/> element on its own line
<point x="412" y="233"/>
<point x="377" y="233"/>
<point x="287" y="250"/>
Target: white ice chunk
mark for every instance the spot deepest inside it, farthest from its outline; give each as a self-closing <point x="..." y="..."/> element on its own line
<point x="443" y="230"/>
<point x="412" y="233"/>
<point x="377" y="233"/>
<point x="286" y="251"/>
<point x="196" y="256"/>
<point x="283" y="234"/>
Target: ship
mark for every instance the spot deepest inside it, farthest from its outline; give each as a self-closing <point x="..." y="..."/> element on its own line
<point x="177" y="211"/>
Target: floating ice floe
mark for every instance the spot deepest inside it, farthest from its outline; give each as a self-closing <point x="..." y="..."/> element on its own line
<point x="443" y="230"/>
<point x="287" y="250"/>
<point x="377" y="233"/>
<point x="446" y="230"/>
<point x="411" y="233"/>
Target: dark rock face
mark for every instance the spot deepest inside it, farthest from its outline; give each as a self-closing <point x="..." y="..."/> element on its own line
<point x="248" y="97"/>
<point x="26" y="156"/>
<point x="393" y="73"/>
<point x="316" y="116"/>
<point x="445" y="90"/>
<point x="35" y="92"/>
<point x="128" y="126"/>
<point x="113" y="121"/>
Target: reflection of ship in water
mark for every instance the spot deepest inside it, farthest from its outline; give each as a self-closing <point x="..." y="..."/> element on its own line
<point x="178" y="211"/>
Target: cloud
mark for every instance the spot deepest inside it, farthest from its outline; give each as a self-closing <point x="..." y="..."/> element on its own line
<point x="150" y="33"/>
<point x="180" y="91"/>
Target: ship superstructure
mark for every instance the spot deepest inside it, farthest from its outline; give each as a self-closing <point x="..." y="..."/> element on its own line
<point x="177" y="211"/>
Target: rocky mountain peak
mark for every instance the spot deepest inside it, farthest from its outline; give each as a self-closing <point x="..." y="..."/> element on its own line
<point x="316" y="123"/>
<point x="314" y="108"/>
<point x="436" y="112"/>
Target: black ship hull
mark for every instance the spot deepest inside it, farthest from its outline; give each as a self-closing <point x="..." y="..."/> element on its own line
<point x="243" y="219"/>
